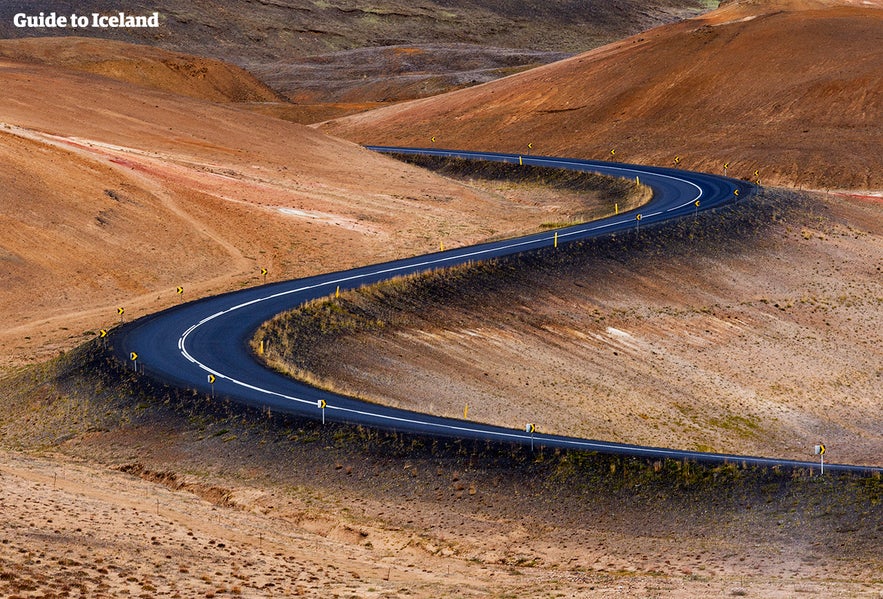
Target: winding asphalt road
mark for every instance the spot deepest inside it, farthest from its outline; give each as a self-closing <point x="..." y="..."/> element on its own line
<point x="183" y="345"/>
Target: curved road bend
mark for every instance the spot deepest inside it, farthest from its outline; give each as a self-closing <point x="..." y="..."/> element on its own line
<point x="183" y="345"/>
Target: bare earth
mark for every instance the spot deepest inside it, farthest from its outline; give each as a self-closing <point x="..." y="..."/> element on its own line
<point x="115" y="192"/>
<point x="761" y="343"/>
<point x="789" y="88"/>
<point x="116" y="204"/>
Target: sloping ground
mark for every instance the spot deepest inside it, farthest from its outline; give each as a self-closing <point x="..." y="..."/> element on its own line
<point x="305" y="48"/>
<point x="164" y="493"/>
<point x="790" y="89"/>
<point x="142" y="65"/>
<point x="114" y="195"/>
<point x="395" y="73"/>
<point x="242" y="31"/>
<point x="755" y="332"/>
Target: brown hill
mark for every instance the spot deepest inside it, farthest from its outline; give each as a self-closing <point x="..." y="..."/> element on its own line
<point x="317" y="49"/>
<point x="243" y="31"/>
<point x="143" y="65"/>
<point x="114" y="195"/>
<point x="791" y="89"/>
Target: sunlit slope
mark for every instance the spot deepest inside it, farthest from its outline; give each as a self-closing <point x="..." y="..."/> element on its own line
<point x="789" y="89"/>
<point x="113" y="194"/>
<point x="174" y="72"/>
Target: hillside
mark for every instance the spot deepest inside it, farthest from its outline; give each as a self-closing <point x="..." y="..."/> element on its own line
<point x="109" y="204"/>
<point x="241" y="31"/>
<point x="321" y="53"/>
<point x="788" y="88"/>
<point x="751" y="331"/>
<point x="174" y="72"/>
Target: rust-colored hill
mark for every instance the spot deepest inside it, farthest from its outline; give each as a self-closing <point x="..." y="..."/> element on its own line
<point x="175" y="72"/>
<point x="790" y="88"/>
<point x="113" y="194"/>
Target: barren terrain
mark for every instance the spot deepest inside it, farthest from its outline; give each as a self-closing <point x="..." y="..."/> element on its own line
<point x="318" y="51"/>
<point x="128" y="171"/>
<point x="115" y="204"/>
<point x="755" y="332"/>
<point x="139" y="492"/>
<point x="788" y="88"/>
<point x="181" y="74"/>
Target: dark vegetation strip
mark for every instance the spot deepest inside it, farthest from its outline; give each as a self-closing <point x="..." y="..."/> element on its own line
<point x="610" y="188"/>
<point x="86" y="392"/>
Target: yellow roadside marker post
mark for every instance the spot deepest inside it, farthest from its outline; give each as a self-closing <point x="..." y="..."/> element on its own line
<point x="211" y="381"/>
<point x="820" y="451"/>
<point x="134" y="357"/>
<point x="322" y="405"/>
<point x="121" y="311"/>
<point x="530" y="428"/>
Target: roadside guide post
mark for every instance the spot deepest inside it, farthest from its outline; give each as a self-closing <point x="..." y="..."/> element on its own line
<point x="530" y="428"/>
<point x="820" y="451"/>
<point x="211" y="381"/>
<point x="321" y="404"/>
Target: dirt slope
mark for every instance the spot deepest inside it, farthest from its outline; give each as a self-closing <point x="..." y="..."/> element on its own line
<point x="791" y="89"/>
<point x="108" y="203"/>
<point x="755" y="332"/>
<point x="241" y="31"/>
<point x="318" y="49"/>
<point x="142" y="65"/>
